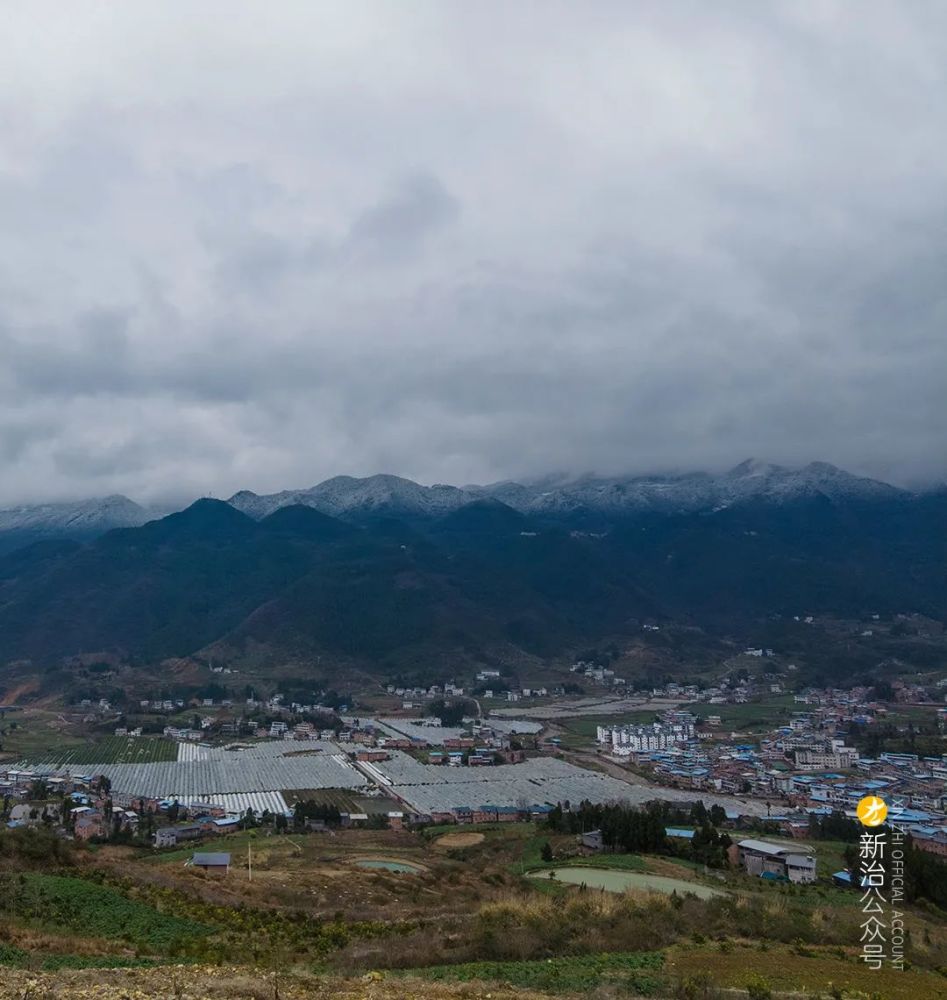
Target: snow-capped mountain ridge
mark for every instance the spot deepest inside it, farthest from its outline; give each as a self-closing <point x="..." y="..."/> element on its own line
<point x="555" y="496"/>
<point x="346" y="496"/>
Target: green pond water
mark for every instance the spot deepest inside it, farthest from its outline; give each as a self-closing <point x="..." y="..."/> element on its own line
<point x="619" y="881"/>
<point x="389" y="866"/>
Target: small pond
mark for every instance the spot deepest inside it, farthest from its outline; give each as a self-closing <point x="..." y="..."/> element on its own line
<point x="618" y="881"/>
<point x="402" y="867"/>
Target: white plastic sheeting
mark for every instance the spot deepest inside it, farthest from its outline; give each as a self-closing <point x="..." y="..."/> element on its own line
<point x="262" y="768"/>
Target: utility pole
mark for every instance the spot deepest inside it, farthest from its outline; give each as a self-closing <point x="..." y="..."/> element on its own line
<point x="249" y="863"/>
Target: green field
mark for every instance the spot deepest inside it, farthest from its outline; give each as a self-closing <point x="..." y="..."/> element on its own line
<point x="635" y="972"/>
<point x="113" y="750"/>
<point x="758" y="716"/>
<point x="918" y="715"/>
<point x="29" y="734"/>
<point x="79" y="906"/>
<point x="19" y="958"/>
<point x="509" y="831"/>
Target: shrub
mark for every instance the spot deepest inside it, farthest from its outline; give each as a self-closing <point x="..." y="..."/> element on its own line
<point x="758" y="988"/>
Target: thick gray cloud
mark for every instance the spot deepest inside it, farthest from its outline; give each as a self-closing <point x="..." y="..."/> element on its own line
<point x="248" y="245"/>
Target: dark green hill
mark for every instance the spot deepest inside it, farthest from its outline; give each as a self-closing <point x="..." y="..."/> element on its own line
<point x="485" y="517"/>
<point x="305" y="523"/>
<point x="485" y="577"/>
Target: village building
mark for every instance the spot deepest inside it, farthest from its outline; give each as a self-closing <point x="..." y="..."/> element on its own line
<point x="768" y="860"/>
<point x="214" y="863"/>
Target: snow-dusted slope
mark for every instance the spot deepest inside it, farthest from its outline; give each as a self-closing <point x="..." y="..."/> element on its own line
<point x="345" y="496"/>
<point x="83" y="517"/>
<point x="749" y="481"/>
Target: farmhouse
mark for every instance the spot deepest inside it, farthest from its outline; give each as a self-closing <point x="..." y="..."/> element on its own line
<point x="759" y="857"/>
<point x="213" y="863"/>
<point x="591" y="840"/>
<point x="89" y="824"/>
<point x="166" y="837"/>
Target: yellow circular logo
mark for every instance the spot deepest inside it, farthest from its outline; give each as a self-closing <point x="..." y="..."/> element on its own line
<point x="872" y="811"/>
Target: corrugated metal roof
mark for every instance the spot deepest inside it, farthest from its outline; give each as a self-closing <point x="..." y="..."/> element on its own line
<point x="214" y="859"/>
<point x="764" y="847"/>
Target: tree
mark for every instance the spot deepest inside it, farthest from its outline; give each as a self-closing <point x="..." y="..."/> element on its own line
<point x="883" y="691"/>
<point x="554" y="818"/>
<point x="546" y="852"/>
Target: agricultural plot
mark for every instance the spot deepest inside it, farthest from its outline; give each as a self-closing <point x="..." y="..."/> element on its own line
<point x="757" y="717"/>
<point x="432" y="789"/>
<point x="29" y="734"/>
<point x="633" y="971"/>
<point x="72" y="904"/>
<point x="341" y="798"/>
<point x="263" y="769"/>
<point x="113" y="750"/>
<point x="783" y="968"/>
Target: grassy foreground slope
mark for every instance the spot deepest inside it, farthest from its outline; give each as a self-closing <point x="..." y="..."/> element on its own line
<point x="118" y="920"/>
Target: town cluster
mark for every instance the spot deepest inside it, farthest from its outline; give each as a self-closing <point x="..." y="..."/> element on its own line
<point x="804" y="767"/>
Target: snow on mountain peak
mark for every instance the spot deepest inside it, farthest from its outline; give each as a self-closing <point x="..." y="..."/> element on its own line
<point x="345" y="496"/>
<point x="98" y="514"/>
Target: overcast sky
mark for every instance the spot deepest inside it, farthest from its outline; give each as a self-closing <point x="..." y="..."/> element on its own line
<point x="255" y="245"/>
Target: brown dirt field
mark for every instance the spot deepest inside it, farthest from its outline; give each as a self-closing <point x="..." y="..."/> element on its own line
<point x="14" y="694"/>
<point x="450" y="841"/>
<point x="210" y="983"/>
<point x="790" y="972"/>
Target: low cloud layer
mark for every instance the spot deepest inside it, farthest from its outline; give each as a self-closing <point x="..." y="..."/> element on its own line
<point x="247" y="246"/>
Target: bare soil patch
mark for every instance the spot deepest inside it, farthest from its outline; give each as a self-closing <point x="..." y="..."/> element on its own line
<point x="451" y="841"/>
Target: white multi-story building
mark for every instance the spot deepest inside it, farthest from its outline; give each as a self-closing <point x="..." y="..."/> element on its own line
<point x="834" y="755"/>
<point x="634" y="739"/>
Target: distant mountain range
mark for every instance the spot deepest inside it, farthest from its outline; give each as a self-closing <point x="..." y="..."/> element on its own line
<point x="386" y="574"/>
<point x="556" y="499"/>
